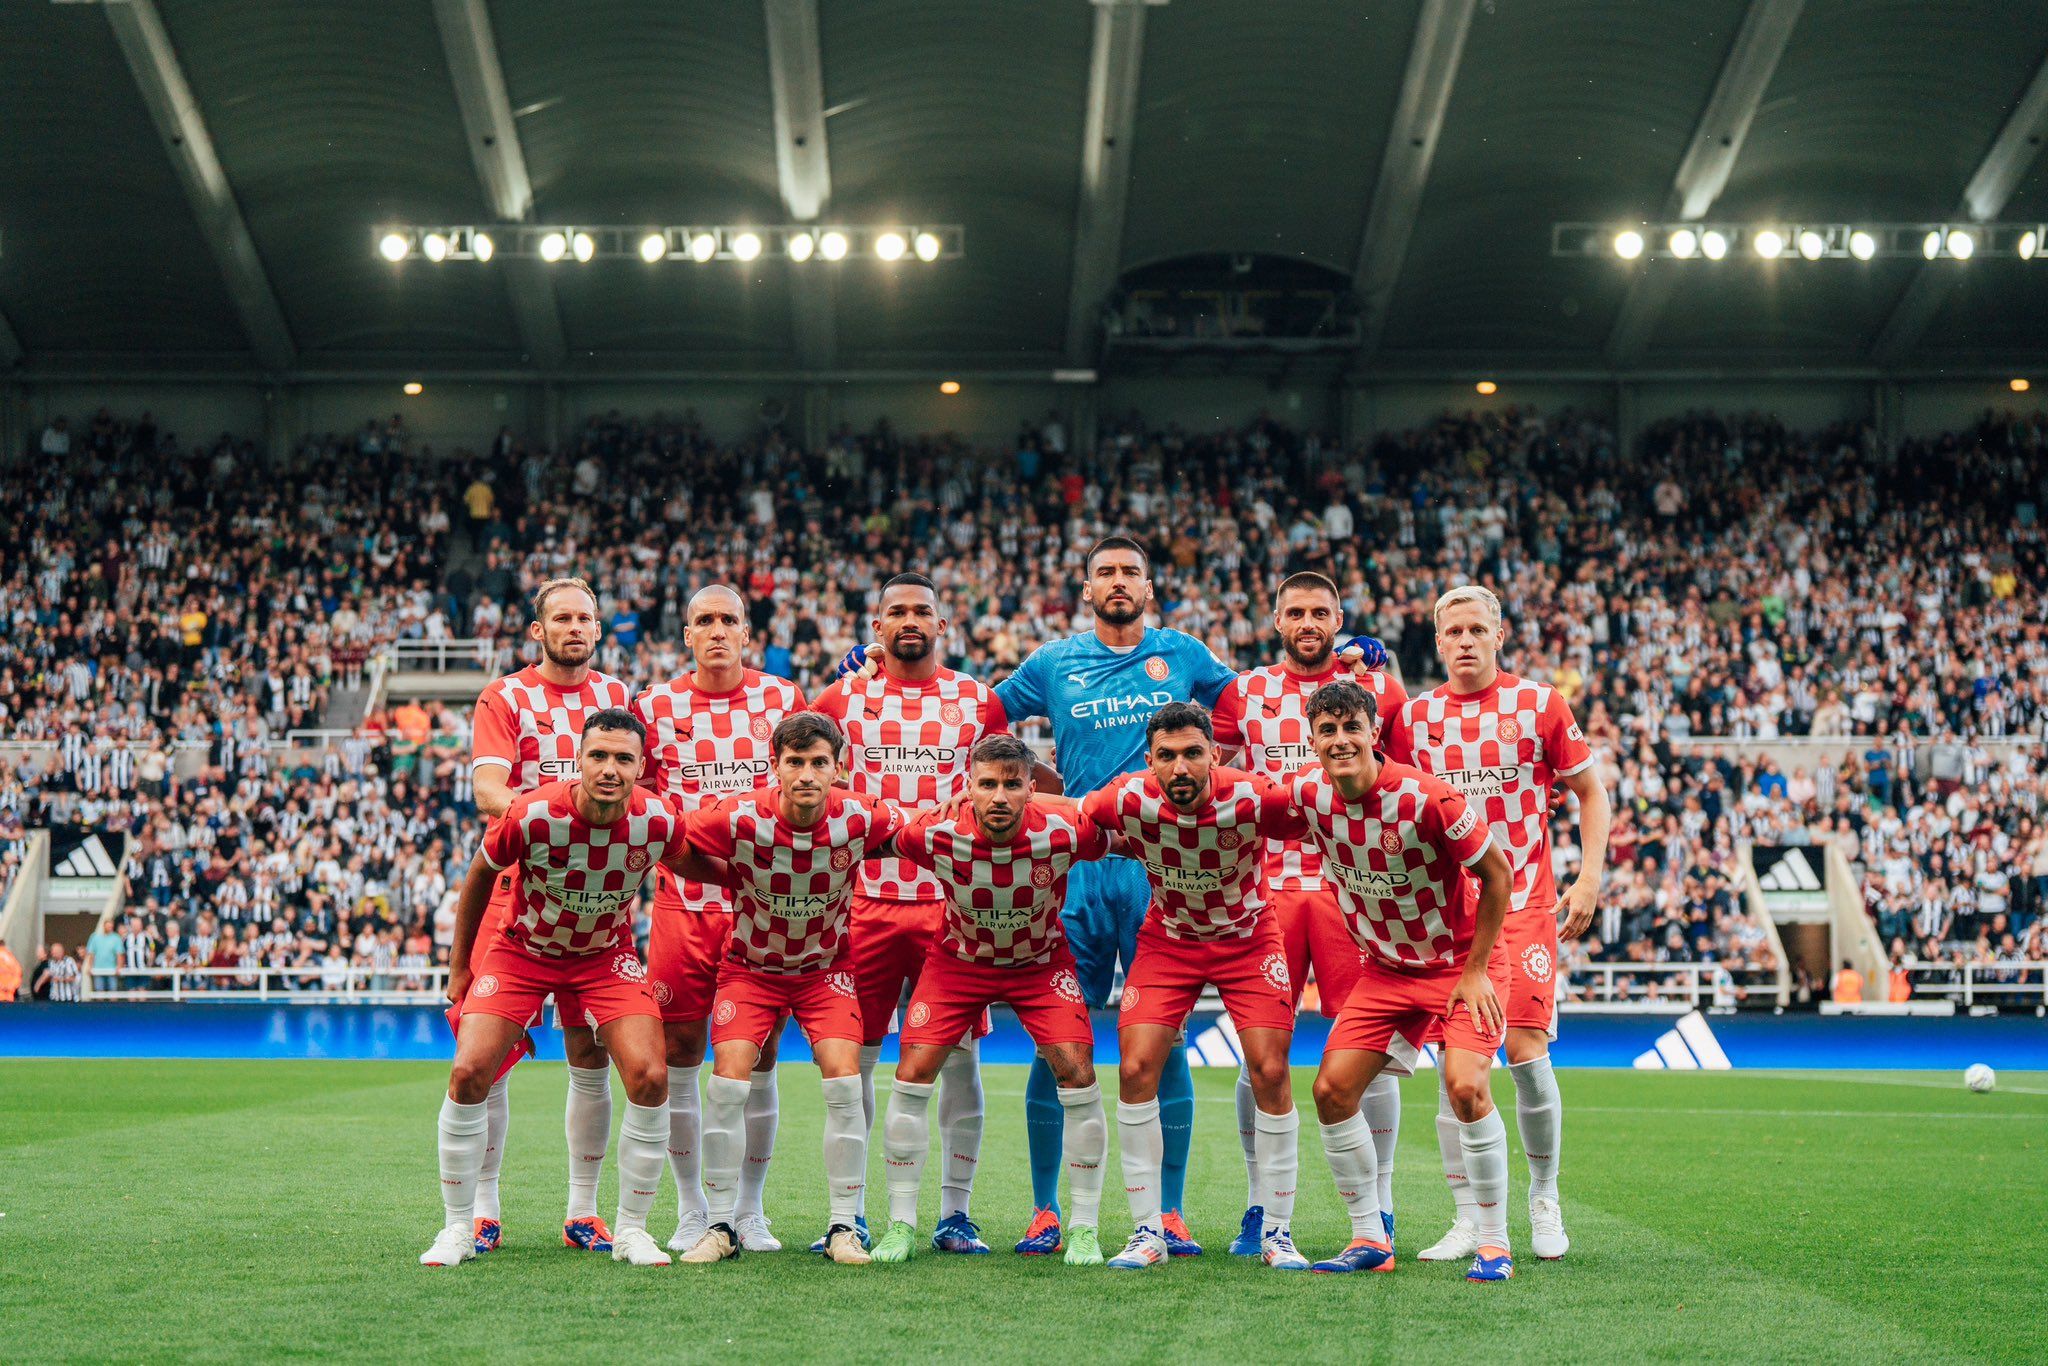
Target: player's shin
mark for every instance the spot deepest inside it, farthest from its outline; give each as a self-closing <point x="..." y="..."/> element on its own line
<point x="725" y="1104"/>
<point x="960" y="1119"/>
<point x="1486" y="1168"/>
<point x="498" y="1118"/>
<point x="1539" y="1118"/>
<point x="1278" y="1140"/>
<point x="870" y="1058"/>
<point x="461" y="1158"/>
<point x="587" y="1123"/>
<point x="1247" y="1136"/>
<point x="1143" y="1143"/>
<point x="1381" y="1106"/>
<point x="764" y="1111"/>
<point x="846" y="1148"/>
<point x="685" y="1145"/>
<point x="1451" y="1147"/>
<point x="1354" y="1163"/>
<point x="906" y="1140"/>
<point x="643" y="1141"/>
<point x="1087" y="1143"/>
<point x="1177" y="1126"/>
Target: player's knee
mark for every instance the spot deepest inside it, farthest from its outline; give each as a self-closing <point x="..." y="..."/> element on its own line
<point x="1470" y="1096"/>
<point x="1269" y="1076"/>
<point x="1336" y="1100"/>
<point x="645" y="1080"/>
<point x="469" y="1081"/>
<point x="684" y="1046"/>
<point x="1138" y="1077"/>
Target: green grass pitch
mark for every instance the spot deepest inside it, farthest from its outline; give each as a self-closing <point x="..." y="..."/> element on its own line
<point x="158" y="1210"/>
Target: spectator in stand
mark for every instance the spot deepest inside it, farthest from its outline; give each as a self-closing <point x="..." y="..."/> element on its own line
<point x="10" y="975"/>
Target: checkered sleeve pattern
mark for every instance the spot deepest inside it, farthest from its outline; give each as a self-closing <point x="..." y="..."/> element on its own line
<point x="578" y="882"/>
<point x="1503" y="749"/>
<point x="1397" y="857"/>
<point x="543" y="724"/>
<point x="795" y="886"/>
<point x="1203" y="866"/>
<point x="908" y="744"/>
<point x="1003" y="900"/>
<point x="703" y="746"/>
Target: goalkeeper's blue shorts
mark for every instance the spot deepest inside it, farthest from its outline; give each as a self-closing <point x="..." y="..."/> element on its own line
<point x="1106" y="902"/>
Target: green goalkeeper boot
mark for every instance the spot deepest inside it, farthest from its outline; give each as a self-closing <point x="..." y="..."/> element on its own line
<point x="896" y="1243"/>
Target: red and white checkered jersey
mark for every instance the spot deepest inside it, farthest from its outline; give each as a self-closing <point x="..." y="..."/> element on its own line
<point x="795" y="885"/>
<point x="1503" y="747"/>
<point x="705" y="745"/>
<point x="578" y="881"/>
<point x="1266" y="711"/>
<point x="1003" y="900"/>
<point x="1397" y="857"/>
<point x="1203" y="865"/>
<point x="908" y="743"/>
<point x="533" y="728"/>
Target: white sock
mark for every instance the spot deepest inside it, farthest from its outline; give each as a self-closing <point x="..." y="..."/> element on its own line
<point x="497" y="1119"/>
<point x="1279" y="1143"/>
<point x="764" y="1108"/>
<point x="462" y="1155"/>
<point x="906" y="1142"/>
<point x="870" y="1056"/>
<point x="1247" y="1135"/>
<point x="685" y="1152"/>
<point x="643" y="1142"/>
<point x="1451" y="1147"/>
<point x="1353" y="1161"/>
<point x="1539" y="1115"/>
<point x="846" y="1148"/>
<point x="960" y="1109"/>
<point x="1382" y="1110"/>
<point x="725" y="1107"/>
<point x="1087" y="1146"/>
<point x="1144" y="1150"/>
<point x="1486" y="1170"/>
<point x="587" y="1121"/>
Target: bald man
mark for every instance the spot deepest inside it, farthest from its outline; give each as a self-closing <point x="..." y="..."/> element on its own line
<point x="707" y="737"/>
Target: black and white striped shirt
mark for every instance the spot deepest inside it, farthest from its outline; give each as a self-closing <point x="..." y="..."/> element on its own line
<point x="64" y="979"/>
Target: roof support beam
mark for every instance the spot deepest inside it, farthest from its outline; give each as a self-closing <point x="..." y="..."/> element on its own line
<point x="1107" y="135"/>
<point x="1984" y="198"/>
<point x="1709" y="159"/>
<point x="1433" y="60"/>
<point x="161" y="80"/>
<point x="803" y="171"/>
<point x="472" y="52"/>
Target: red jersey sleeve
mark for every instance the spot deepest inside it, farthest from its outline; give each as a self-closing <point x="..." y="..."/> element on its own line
<point x="994" y="720"/>
<point x="1564" y="744"/>
<point x="831" y="702"/>
<point x="1099" y="807"/>
<point x="505" y="839"/>
<point x="885" y="821"/>
<point x="709" y="828"/>
<point x="1279" y="817"/>
<point x="1456" y="827"/>
<point x="913" y="841"/>
<point x="1094" y="841"/>
<point x="1395" y="740"/>
<point x="494" y="733"/>
<point x="650" y="775"/>
<point x="1227" y="716"/>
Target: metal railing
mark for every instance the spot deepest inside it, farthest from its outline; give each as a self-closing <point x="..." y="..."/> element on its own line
<point x="1969" y="984"/>
<point x="1665" y="984"/>
<point x="311" y="984"/>
<point x="439" y="656"/>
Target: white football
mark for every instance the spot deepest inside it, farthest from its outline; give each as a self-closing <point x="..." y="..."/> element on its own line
<point x="1978" y="1077"/>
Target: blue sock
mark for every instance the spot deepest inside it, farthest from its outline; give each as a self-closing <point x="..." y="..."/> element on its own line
<point x="1177" y="1120"/>
<point x="1045" y="1130"/>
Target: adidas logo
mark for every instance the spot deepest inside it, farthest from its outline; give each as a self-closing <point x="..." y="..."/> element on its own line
<point x="1216" y="1046"/>
<point x="1792" y="874"/>
<point x="87" y="860"/>
<point x="1688" y="1046"/>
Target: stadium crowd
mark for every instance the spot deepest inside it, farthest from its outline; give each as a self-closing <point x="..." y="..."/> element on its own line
<point x="1731" y="578"/>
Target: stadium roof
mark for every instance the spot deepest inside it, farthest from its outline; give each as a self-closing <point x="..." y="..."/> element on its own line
<point x="195" y="184"/>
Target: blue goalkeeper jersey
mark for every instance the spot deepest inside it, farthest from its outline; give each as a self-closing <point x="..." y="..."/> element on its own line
<point x="1099" y="699"/>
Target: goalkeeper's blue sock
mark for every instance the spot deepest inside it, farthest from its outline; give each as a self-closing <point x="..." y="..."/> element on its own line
<point x="1177" y="1126"/>
<point x="1045" y="1126"/>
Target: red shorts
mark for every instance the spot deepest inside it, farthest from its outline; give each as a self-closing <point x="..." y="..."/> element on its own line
<point x="953" y="995"/>
<point x="522" y="1049"/>
<point x="751" y="1004"/>
<point x="1394" y="1011"/>
<point x="1528" y="945"/>
<point x="1167" y="975"/>
<point x="684" y="952"/>
<point x="511" y="983"/>
<point x="568" y="1009"/>
<point x="1313" y="930"/>
<point x="886" y="946"/>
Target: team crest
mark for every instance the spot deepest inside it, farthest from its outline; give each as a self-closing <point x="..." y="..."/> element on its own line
<point x="950" y="713"/>
<point x="1230" y="839"/>
<point x="1156" y="669"/>
<point x="1536" y="962"/>
<point x="662" y="995"/>
<point x="726" y="1010"/>
<point x="637" y="860"/>
<point x="842" y="982"/>
<point x="486" y="985"/>
<point x="760" y="729"/>
<point x="1130" y="997"/>
<point x="1042" y="875"/>
<point x="629" y="967"/>
<point x="1274" y="970"/>
<point x="920" y="1015"/>
<point x="1068" y="987"/>
<point x="1510" y="730"/>
<point x="842" y="858"/>
<point x="1390" y="841"/>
